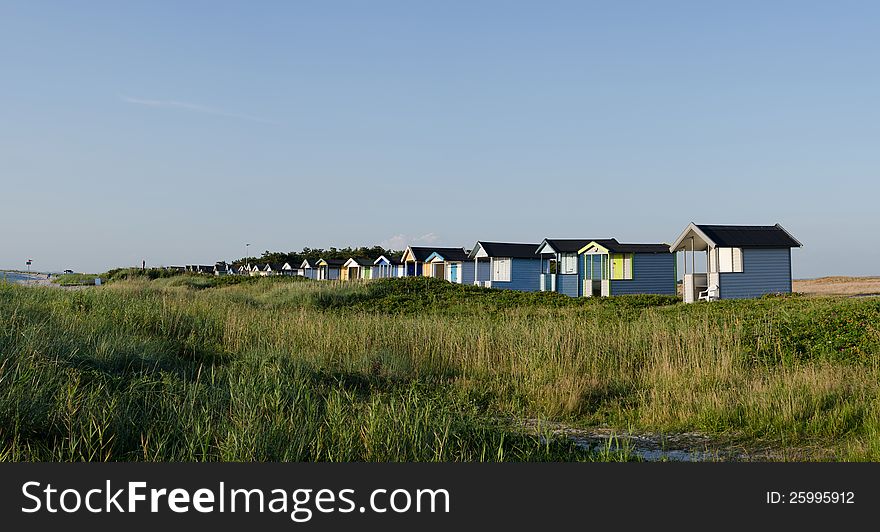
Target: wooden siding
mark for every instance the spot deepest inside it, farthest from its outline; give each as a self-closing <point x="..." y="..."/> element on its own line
<point x="465" y="272"/>
<point x="765" y="271"/>
<point x="567" y="284"/>
<point x="412" y="269"/>
<point x="525" y="275"/>
<point x="484" y="273"/>
<point x="653" y="273"/>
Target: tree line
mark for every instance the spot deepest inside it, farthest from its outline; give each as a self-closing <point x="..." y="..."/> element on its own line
<point x="296" y="257"/>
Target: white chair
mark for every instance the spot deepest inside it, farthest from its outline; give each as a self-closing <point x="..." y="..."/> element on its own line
<point x="709" y="294"/>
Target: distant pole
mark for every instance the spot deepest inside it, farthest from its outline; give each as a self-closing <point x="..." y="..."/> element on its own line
<point x="144" y="265"/>
<point x="247" y="256"/>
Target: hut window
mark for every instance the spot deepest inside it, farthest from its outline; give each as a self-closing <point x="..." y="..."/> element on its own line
<point x="569" y="263"/>
<point x="501" y="270"/>
<point x="729" y="260"/>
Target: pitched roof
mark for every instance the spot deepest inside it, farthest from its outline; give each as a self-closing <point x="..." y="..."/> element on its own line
<point x="454" y="255"/>
<point x="421" y="253"/>
<point x="389" y="260"/>
<point x="613" y="246"/>
<point x="566" y="245"/>
<point x="360" y="261"/>
<point x="333" y="262"/>
<point x="749" y="236"/>
<point x="507" y="249"/>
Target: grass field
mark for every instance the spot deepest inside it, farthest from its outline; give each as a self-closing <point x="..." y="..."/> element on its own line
<point x="200" y="368"/>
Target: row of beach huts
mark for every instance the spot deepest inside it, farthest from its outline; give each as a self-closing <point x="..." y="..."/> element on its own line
<point x="720" y="262"/>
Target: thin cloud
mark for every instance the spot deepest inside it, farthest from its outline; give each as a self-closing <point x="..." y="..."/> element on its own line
<point x="401" y="241"/>
<point x="192" y="107"/>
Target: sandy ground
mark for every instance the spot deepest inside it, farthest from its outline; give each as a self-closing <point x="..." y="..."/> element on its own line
<point x="838" y="286"/>
<point x="27" y="279"/>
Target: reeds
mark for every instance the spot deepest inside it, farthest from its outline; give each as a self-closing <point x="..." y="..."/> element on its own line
<point x="288" y="371"/>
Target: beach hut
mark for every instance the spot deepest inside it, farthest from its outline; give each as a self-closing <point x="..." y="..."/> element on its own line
<point x="272" y="268"/>
<point x="290" y="269"/>
<point x="309" y="269"/>
<point x="509" y="265"/>
<point x="387" y="267"/>
<point x="357" y="268"/>
<point x="221" y="268"/>
<point x="560" y="267"/>
<point x="453" y="266"/>
<point x="414" y="258"/>
<point x="737" y="261"/>
<point x="329" y="269"/>
<point x="610" y="268"/>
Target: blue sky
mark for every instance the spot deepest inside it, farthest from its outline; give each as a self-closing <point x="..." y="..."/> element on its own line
<point x="177" y="132"/>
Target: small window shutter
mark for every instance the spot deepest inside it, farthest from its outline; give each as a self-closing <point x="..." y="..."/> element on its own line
<point x="737" y="259"/>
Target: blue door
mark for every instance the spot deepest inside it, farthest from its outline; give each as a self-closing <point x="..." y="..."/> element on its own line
<point x="453" y="272"/>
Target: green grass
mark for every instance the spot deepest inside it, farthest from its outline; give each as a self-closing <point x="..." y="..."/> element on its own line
<point x="204" y="368"/>
<point x="75" y="279"/>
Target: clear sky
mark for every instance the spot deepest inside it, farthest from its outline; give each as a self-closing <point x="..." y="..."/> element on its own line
<point x="176" y="132"/>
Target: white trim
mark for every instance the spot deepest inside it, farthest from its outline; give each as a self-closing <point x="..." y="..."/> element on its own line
<point x="684" y="235"/>
<point x="479" y="252"/>
<point x="353" y="263"/>
<point x="545" y="245"/>
<point x="790" y="236"/>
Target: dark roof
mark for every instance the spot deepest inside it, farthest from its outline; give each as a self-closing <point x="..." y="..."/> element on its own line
<point x="454" y="255"/>
<point x="274" y="266"/>
<point x="334" y="262"/>
<point x="363" y="261"/>
<point x="566" y="245"/>
<point x="616" y="247"/>
<point x="391" y="260"/>
<point x="509" y="249"/>
<point x="749" y="236"/>
<point x="421" y="252"/>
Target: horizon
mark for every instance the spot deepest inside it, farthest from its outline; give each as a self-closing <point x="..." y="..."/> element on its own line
<point x="127" y="134"/>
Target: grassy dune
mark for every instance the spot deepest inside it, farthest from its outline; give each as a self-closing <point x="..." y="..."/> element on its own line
<point x="194" y="368"/>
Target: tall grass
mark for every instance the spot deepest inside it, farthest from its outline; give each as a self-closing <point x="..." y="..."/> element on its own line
<point x="419" y="370"/>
